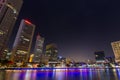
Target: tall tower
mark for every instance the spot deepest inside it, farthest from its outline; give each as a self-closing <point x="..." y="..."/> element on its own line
<point x="116" y="50"/>
<point x="52" y="52"/>
<point x="23" y="42"/>
<point x="9" y="10"/>
<point x="38" y="48"/>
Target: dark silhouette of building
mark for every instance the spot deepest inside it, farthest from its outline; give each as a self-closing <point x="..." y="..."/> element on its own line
<point x="99" y="56"/>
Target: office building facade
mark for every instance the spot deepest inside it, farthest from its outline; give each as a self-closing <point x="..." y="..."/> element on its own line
<point x="23" y="42"/>
<point x="9" y="10"/>
<point x="116" y="49"/>
<point x="51" y="52"/>
<point x="38" y="51"/>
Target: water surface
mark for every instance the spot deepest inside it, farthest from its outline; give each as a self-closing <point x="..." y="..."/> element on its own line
<point x="60" y="74"/>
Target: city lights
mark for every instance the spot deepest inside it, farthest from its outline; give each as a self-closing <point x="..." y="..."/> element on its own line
<point x="28" y="22"/>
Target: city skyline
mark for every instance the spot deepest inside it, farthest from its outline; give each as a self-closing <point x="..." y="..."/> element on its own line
<point x="59" y="40"/>
<point x="78" y="28"/>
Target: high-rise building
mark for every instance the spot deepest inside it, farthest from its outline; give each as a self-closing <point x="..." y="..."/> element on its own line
<point x="38" y="51"/>
<point x="9" y="10"/>
<point x="116" y="50"/>
<point x="52" y="52"/>
<point x="99" y="56"/>
<point x="23" y="42"/>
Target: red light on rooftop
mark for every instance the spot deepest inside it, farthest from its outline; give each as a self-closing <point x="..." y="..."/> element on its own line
<point x="28" y="22"/>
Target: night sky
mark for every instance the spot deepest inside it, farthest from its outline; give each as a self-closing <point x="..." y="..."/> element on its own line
<point x="78" y="27"/>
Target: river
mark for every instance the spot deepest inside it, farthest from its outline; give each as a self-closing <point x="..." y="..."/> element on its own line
<point x="60" y="74"/>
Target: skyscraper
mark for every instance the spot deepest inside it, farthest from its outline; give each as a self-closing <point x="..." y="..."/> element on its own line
<point x="38" y="51"/>
<point x="23" y="41"/>
<point x="52" y="52"/>
<point x="9" y="10"/>
<point x="116" y="50"/>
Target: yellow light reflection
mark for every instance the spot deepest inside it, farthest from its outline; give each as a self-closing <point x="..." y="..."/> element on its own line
<point x="115" y="74"/>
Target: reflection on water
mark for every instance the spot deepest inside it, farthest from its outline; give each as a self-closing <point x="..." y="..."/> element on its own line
<point x="61" y="74"/>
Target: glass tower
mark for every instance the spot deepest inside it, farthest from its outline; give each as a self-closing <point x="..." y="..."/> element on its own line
<point x="9" y="10"/>
<point x="38" y="51"/>
<point x="23" y="42"/>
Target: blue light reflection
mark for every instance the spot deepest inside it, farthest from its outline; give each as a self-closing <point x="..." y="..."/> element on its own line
<point x="61" y="74"/>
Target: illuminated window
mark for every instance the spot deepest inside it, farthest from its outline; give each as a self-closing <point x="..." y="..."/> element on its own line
<point x="39" y="50"/>
<point x="1" y="32"/>
<point x="11" y="7"/>
<point x="119" y="44"/>
<point x="26" y="39"/>
<point x="56" y="51"/>
<point x="96" y="55"/>
<point x="21" y="52"/>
